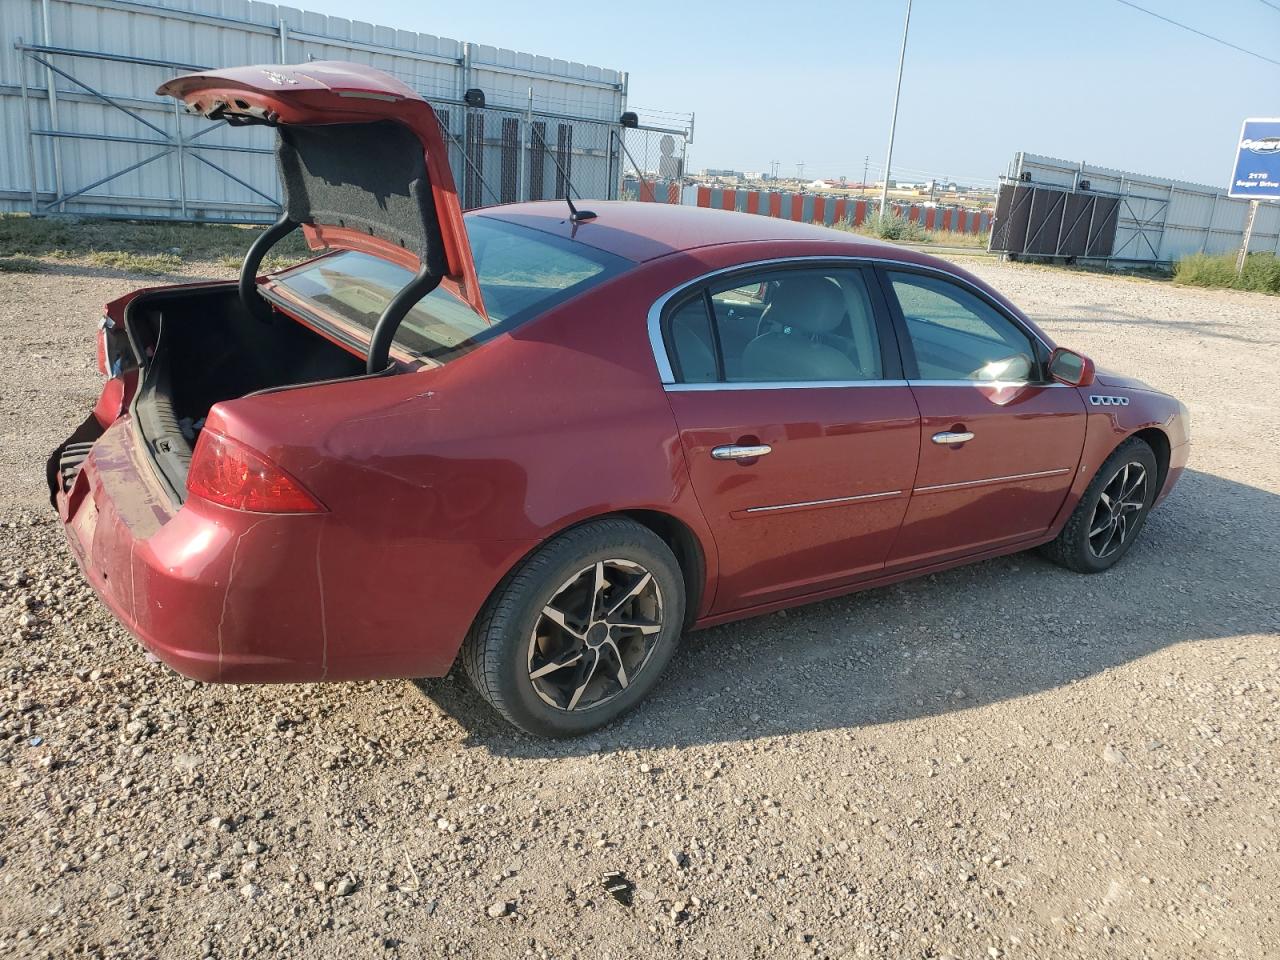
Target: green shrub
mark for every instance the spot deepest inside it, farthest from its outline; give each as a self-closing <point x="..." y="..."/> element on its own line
<point x="1202" y="270"/>
<point x="894" y="227"/>
<point x="1261" y="272"/>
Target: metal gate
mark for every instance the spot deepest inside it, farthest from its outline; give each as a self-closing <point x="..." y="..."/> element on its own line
<point x="161" y="140"/>
<point x="1053" y="222"/>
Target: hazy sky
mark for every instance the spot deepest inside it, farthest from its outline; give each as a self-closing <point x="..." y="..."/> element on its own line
<point x="1088" y="80"/>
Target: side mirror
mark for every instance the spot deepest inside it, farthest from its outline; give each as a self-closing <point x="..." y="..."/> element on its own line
<point x="1073" y="369"/>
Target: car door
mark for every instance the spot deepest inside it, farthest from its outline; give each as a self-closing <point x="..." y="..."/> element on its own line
<point x="800" y="434"/>
<point x="1000" y="443"/>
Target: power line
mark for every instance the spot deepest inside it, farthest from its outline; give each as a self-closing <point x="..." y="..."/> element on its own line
<point x="1273" y="6"/>
<point x="1200" y="33"/>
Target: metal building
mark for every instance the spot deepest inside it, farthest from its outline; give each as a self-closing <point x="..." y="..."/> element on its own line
<point x="1154" y="220"/>
<point x="82" y="130"/>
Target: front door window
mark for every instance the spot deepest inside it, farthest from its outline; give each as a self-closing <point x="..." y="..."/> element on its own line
<point x="957" y="336"/>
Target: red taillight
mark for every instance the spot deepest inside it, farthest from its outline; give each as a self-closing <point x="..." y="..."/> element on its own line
<point x="225" y="471"/>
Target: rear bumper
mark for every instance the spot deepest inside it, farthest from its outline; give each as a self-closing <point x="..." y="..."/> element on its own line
<point x="227" y="596"/>
<point x="171" y="575"/>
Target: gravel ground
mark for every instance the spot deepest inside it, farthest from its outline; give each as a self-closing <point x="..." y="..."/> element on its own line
<point x="1005" y="760"/>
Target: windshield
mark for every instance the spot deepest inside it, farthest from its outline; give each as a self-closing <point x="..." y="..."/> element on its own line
<point x="522" y="273"/>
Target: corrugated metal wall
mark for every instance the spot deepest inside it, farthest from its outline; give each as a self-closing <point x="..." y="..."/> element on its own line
<point x="178" y="34"/>
<point x="1162" y="220"/>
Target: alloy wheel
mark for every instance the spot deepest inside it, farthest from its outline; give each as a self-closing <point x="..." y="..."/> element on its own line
<point x="595" y="634"/>
<point x="1119" y="507"/>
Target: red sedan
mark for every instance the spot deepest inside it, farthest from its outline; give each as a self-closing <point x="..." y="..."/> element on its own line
<point x="552" y="441"/>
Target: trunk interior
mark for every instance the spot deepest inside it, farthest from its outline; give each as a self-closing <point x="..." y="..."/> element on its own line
<point x="203" y="346"/>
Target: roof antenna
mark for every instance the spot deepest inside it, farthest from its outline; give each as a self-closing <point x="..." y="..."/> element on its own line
<point x="576" y="215"/>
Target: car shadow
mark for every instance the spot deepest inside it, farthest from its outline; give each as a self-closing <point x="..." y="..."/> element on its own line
<point x="1082" y="316"/>
<point x="1205" y="567"/>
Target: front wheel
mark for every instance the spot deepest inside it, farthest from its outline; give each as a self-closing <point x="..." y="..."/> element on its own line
<point x="1111" y="513"/>
<point x="581" y="631"/>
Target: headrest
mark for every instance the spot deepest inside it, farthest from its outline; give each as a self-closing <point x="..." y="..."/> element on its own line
<point x="809" y="303"/>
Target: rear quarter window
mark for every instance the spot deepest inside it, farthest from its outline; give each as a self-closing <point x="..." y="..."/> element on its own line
<point x="522" y="274"/>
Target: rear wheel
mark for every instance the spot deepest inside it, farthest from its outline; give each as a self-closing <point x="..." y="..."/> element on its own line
<point x="581" y="631"/>
<point x="1111" y="513"/>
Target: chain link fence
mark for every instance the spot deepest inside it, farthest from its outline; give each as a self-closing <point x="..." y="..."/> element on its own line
<point x="504" y="155"/>
<point x="653" y="164"/>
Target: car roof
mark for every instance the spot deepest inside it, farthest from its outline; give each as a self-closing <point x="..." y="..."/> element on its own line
<point x="645" y="231"/>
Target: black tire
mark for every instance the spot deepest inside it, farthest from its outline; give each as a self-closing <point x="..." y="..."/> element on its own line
<point x="1075" y="548"/>
<point x="499" y="652"/>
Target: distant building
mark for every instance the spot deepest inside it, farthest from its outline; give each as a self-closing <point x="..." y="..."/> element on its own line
<point x="939" y="186"/>
<point x="731" y="174"/>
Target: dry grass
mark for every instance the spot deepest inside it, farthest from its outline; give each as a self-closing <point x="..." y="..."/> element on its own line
<point x="20" y="265"/>
<point x="152" y="263"/>
<point x="953" y="238"/>
<point x="270" y="263"/>
<point x="136" y="246"/>
<point x="910" y="231"/>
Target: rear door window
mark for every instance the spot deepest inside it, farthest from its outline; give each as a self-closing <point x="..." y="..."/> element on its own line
<point x="522" y="273"/>
<point x="793" y="325"/>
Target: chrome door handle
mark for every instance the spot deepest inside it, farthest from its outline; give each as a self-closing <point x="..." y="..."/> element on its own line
<point x="733" y="452"/>
<point x="948" y="437"/>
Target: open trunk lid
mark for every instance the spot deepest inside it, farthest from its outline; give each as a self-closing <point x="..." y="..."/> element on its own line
<point x="361" y="158"/>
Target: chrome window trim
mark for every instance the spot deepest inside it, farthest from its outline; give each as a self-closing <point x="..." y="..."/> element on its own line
<point x="998" y="384"/>
<point x="843" y="384"/>
<point x="777" y="385"/>
<point x="667" y="373"/>
<point x="989" y="480"/>
<point x="828" y="502"/>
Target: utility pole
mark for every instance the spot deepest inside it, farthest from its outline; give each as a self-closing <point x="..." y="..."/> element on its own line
<point x="866" y="163"/>
<point x="893" y="124"/>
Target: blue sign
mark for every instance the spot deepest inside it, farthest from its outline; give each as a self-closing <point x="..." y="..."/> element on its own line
<point x="1257" y="172"/>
